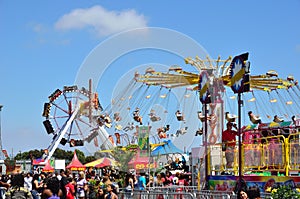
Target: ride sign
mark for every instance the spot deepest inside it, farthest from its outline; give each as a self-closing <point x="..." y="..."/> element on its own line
<point x="203" y="87"/>
<point x="237" y="72"/>
<point x="145" y="166"/>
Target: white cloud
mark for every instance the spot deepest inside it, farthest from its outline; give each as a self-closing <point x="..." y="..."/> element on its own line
<point x="102" y="21"/>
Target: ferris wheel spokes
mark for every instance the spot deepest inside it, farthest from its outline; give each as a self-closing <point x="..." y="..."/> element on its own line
<point x="57" y="139"/>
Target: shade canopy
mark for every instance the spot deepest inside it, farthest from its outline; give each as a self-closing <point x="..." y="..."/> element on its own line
<point x="93" y="163"/>
<point x="48" y="168"/>
<point x="139" y="163"/>
<point x="75" y="164"/>
<point x="167" y="148"/>
<point x="104" y="162"/>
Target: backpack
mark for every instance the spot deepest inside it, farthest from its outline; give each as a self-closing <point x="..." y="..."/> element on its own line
<point x="18" y="194"/>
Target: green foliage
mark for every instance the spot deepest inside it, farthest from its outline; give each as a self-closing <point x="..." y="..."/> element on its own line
<point x="80" y="155"/>
<point x="27" y="155"/>
<point x="35" y="153"/>
<point x="58" y="154"/>
<point x="123" y="157"/>
<point x="63" y="155"/>
<point x="89" y="159"/>
<point x="285" y="192"/>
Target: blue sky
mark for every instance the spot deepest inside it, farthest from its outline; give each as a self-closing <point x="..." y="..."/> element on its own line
<point x="44" y="43"/>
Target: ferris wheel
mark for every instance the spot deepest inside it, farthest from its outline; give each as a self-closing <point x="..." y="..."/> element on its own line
<point x="73" y="116"/>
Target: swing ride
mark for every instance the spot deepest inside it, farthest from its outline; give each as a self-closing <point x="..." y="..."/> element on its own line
<point x="270" y="135"/>
<point x="168" y="103"/>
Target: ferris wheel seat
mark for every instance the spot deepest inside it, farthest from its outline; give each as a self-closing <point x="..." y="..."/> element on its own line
<point x="70" y="88"/>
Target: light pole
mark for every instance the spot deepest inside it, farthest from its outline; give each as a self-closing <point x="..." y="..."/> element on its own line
<point x="204" y="84"/>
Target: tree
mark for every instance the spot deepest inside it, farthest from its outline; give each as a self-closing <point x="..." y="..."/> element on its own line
<point x="80" y="155"/>
<point x="62" y="154"/>
<point x="89" y="159"/>
<point x="58" y="154"/>
<point x="123" y="157"/>
<point x="34" y="154"/>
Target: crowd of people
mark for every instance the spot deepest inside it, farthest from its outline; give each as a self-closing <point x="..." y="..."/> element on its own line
<point x="62" y="185"/>
<point x="84" y="184"/>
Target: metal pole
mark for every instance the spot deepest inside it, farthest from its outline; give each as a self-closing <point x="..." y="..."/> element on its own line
<point x="240" y="103"/>
<point x="1" y="153"/>
<point x="90" y="100"/>
<point x="206" y="152"/>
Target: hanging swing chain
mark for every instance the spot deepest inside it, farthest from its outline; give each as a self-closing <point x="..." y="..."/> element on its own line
<point x="293" y="98"/>
<point x="296" y="92"/>
<point x="270" y="99"/>
<point x="264" y="105"/>
<point x="280" y="98"/>
<point x="229" y="104"/>
<point x="118" y="102"/>
<point x="142" y="97"/>
<point x="256" y="108"/>
<point x="156" y="96"/>
<point x="171" y="119"/>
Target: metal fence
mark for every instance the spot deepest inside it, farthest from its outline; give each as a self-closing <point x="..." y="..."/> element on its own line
<point x="180" y="192"/>
<point x="151" y="194"/>
<point x="207" y="194"/>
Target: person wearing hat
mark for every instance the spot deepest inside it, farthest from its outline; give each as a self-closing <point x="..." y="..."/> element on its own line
<point x="228" y="140"/>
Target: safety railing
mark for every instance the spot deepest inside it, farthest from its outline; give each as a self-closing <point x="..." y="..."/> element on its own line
<point x="293" y="148"/>
<point x="265" y="153"/>
<point x="279" y="153"/>
<point x="155" y="194"/>
<point x="174" y="188"/>
<point x="174" y="193"/>
<point x="207" y="194"/>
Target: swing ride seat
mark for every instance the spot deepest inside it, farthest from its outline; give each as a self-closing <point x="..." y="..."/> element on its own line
<point x="155" y="118"/>
<point x="180" y="118"/>
<point x="118" y="127"/>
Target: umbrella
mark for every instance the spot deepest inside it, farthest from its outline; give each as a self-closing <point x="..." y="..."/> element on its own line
<point x="104" y="162"/>
<point x="48" y="168"/>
